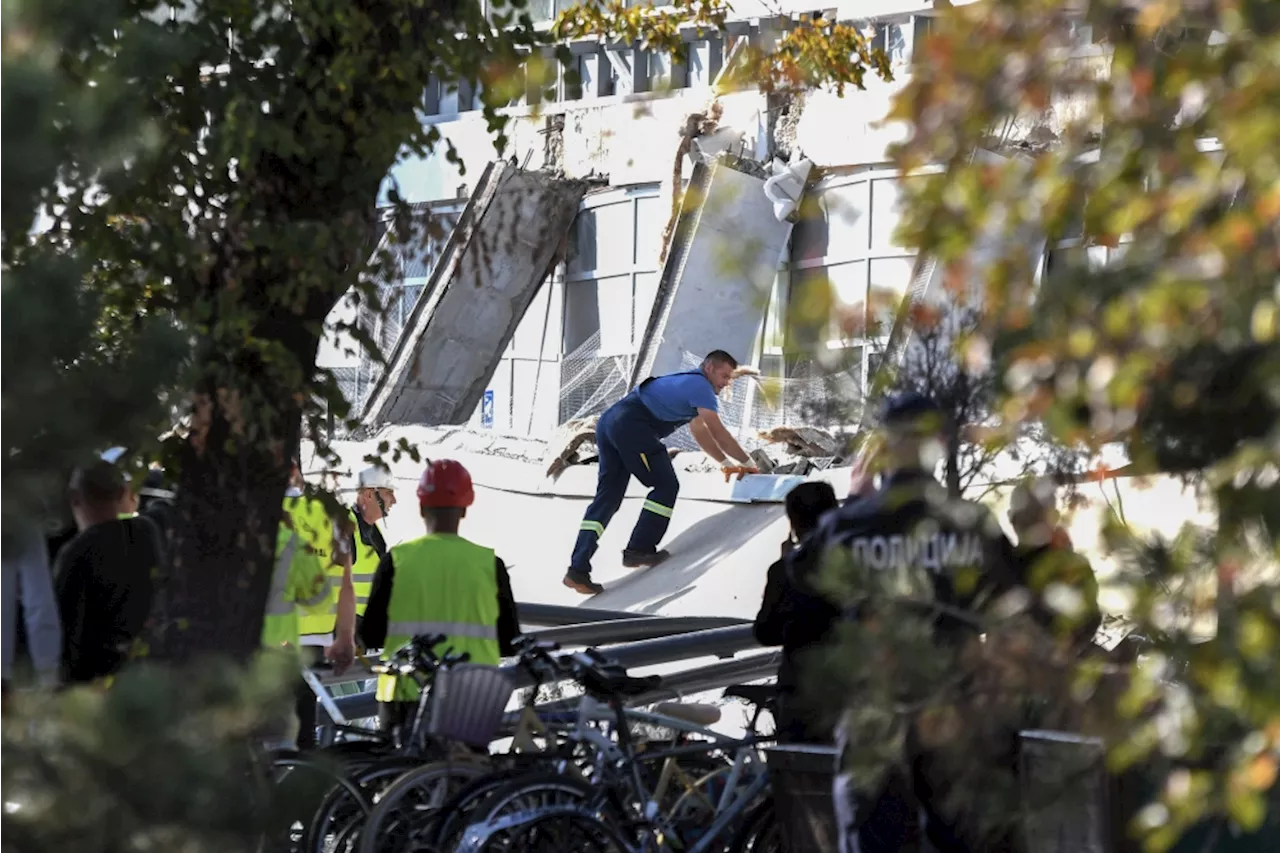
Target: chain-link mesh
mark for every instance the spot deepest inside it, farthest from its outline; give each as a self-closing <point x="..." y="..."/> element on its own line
<point x="591" y="382"/>
<point x="397" y="294"/>
<point x="788" y="393"/>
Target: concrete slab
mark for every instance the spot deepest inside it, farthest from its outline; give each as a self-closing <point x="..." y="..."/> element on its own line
<point x="718" y="275"/>
<point x="492" y="266"/>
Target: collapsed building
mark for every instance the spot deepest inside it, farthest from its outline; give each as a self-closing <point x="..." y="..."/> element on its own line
<point x="637" y="219"/>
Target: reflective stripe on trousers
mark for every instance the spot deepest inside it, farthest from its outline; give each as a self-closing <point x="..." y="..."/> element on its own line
<point x="453" y="629"/>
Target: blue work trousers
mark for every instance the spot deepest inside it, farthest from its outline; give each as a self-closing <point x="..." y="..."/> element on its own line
<point x="629" y="439"/>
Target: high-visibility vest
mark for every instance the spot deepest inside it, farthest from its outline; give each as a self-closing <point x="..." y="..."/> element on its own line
<point x="313" y="524"/>
<point x="363" y="567"/>
<point x="299" y="584"/>
<point x="447" y="585"/>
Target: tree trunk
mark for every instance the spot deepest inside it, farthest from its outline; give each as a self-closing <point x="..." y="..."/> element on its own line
<point x="953" y="463"/>
<point x="230" y="501"/>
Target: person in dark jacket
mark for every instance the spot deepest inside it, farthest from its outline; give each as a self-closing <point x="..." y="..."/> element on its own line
<point x="1062" y="581"/>
<point x="158" y="502"/>
<point x="777" y="623"/>
<point x="909" y="532"/>
<point x="104" y="577"/>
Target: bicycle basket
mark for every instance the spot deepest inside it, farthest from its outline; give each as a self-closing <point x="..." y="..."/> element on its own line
<point x="467" y="703"/>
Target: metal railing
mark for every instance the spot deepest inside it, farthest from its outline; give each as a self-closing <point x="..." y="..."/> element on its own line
<point x="635" y="641"/>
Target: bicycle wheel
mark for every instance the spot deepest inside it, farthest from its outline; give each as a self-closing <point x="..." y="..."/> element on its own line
<point x="298" y="786"/>
<point x="406" y="806"/>
<point x="339" y="819"/>
<point x="557" y="832"/>
<point x="448" y="824"/>
<point x="760" y="831"/>
<point x="527" y="795"/>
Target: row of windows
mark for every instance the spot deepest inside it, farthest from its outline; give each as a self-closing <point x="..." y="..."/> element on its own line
<point x="592" y="315"/>
<point x="600" y="72"/>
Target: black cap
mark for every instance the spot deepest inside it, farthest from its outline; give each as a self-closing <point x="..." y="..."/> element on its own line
<point x="909" y="407"/>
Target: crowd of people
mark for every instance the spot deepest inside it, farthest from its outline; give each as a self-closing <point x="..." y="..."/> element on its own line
<point x="85" y="596"/>
<point x="76" y="603"/>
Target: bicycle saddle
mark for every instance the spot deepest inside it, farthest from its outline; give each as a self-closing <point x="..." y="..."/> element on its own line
<point x="614" y="683"/>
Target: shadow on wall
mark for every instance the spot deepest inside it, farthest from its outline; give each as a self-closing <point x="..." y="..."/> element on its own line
<point x="694" y="552"/>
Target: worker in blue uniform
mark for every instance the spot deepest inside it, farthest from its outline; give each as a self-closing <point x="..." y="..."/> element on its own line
<point x="629" y="437"/>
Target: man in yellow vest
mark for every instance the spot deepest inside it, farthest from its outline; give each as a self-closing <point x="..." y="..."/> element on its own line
<point x="300" y="585"/>
<point x="439" y="584"/>
<point x="321" y="636"/>
<point x="375" y="496"/>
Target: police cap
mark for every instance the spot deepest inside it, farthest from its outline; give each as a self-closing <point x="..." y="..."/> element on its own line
<point x="910" y="408"/>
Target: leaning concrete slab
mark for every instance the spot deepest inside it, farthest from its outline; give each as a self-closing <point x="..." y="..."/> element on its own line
<point x="492" y="266"/>
<point x="719" y="273"/>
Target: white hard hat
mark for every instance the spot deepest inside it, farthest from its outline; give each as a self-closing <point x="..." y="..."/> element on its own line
<point x="375" y="477"/>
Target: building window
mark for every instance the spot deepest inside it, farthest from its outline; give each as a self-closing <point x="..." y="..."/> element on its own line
<point x="846" y="278"/>
<point x="704" y="60"/>
<point x="611" y="282"/>
<point x="612" y="272"/>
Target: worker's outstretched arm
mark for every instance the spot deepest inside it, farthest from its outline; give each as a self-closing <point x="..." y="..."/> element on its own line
<point x="343" y="650"/>
<point x="508" y="613"/>
<point x="714" y="438"/>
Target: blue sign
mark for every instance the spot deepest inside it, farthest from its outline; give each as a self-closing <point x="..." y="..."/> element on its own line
<point x="486" y="410"/>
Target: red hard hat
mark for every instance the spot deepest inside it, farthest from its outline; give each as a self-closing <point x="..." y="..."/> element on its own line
<point x="444" y="484"/>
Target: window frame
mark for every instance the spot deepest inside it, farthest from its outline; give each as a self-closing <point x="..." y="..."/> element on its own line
<point x="631" y="195"/>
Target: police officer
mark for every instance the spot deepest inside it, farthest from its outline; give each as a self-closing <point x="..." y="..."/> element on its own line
<point x="440" y="583"/>
<point x="908" y="537"/>
<point x="629" y="437"/>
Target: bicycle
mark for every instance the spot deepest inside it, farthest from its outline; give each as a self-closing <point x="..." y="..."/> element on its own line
<point x="619" y="797"/>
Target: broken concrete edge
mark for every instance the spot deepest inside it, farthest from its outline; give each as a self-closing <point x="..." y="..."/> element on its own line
<point x="381" y="396"/>
<point x="516" y="465"/>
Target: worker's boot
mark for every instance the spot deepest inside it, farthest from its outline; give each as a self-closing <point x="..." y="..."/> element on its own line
<point x="641" y="559"/>
<point x="580" y="582"/>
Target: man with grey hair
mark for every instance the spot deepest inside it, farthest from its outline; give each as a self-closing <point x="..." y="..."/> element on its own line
<point x="28" y="594"/>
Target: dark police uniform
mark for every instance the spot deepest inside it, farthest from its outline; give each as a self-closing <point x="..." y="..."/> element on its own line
<point x="911" y="529"/>
<point x="629" y="437"/>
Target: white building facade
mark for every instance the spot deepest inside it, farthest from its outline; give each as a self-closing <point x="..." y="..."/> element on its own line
<point x="621" y="128"/>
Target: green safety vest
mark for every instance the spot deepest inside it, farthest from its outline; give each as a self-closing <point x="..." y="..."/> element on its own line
<point x="299" y="585"/>
<point x="363" y="567"/>
<point x="443" y="585"/>
<point x="313" y="524"/>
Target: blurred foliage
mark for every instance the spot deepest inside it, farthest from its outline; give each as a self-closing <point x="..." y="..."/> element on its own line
<point x="942" y="362"/>
<point x="75" y="327"/>
<point x="1156" y="154"/>
<point x="160" y="761"/>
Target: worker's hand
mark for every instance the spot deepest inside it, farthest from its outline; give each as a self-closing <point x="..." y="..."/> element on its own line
<point x="730" y="468"/>
<point x="342" y="653"/>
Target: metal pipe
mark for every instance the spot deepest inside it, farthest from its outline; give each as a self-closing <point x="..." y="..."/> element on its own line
<point x="716" y="642"/>
<point x="630" y="630"/>
<point x="556" y="615"/>
<point x="700" y="679"/>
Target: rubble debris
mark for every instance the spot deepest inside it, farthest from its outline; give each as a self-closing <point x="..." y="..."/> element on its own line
<point x="563" y="447"/>
<point x="809" y="442"/>
<point x="762" y="461"/>
<point x="798" y="468"/>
